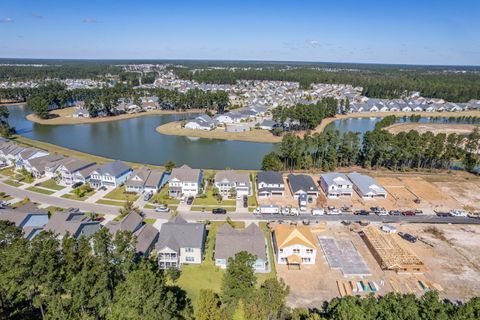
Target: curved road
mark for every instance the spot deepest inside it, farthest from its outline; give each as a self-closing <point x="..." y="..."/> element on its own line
<point x="113" y="210"/>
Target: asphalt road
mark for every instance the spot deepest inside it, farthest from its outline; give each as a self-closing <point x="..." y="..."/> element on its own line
<point x="113" y="210"/>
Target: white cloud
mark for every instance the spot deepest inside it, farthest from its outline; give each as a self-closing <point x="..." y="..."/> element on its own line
<point x="89" y="20"/>
<point x="7" y="20"/>
<point x="313" y="43"/>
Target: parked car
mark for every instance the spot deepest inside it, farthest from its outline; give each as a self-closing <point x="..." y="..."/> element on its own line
<point x="408" y="237"/>
<point x="442" y="214"/>
<point x="408" y="213"/>
<point x="458" y="213"/>
<point x="190" y="200"/>
<point x="102" y="188"/>
<point x="361" y="213"/>
<point x="394" y="212"/>
<point x="162" y="209"/>
<point x="78" y="184"/>
<point x="219" y="211"/>
<point x="310" y="199"/>
<point x="333" y="210"/>
<point x="245" y="201"/>
<point x="382" y="212"/>
<point x="294" y="212"/>
<point x="147" y="196"/>
<point x="318" y="212"/>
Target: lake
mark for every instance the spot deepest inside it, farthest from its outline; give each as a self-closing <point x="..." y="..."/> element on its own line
<point x="136" y="140"/>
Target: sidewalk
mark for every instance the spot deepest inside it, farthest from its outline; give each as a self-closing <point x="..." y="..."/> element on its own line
<point x="99" y="194"/>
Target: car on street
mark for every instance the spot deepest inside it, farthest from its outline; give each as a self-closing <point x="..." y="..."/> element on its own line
<point x="219" y="211"/>
<point x="408" y="213"/>
<point x="458" y="213"/>
<point x="361" y="213"/>
<point x="162" y="209"/>
<point x="394" y="212"/>
<point x="408" y="237"/>
<point x="190" y="200"/>
<point x="318" y="212"/>
<point x="147" y="196"/>
<point x="245" y="201"/>
<point x="442" y="214"/>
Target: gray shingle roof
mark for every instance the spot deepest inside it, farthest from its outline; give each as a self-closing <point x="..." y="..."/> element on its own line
<point x="185" y="173"/>
<point x="147" y="235"/>
<point x="130" y="222"/>
<point x="366" y="184"/>
<point x="335" y="178"/>
<point x="74" y="223"/>
<point x="232" y="176"/>
<point x="115" y="168"/>
<point x="230" y="241"/>
<point x="178" y="233"/>
<point x="301" y="182"/>
<point x="270" y="177"/>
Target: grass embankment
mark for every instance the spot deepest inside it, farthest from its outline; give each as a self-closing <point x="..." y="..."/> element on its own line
<point x="40" y="190"/>
<point x="13" y="183"/>
<point x="65" y="116"/>
<point x="121" y="195"/>
<point x="51" y="184"/>
<point x="254" y="135"/>
<point x="111" y="202"/>
<point x="71" y="153"/>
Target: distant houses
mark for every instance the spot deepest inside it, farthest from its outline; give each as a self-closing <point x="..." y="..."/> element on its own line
<point x="202" y="122"/>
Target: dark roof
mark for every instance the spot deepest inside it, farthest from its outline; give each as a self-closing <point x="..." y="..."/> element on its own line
<point x="270" y="177"/>
<point x="147" y="235"/>
<point x="178" y="233"/>
<point x="302" y="182"/>
<point x="131" y="222"/>
<point x="115" y="168"/>
<point x="230" y="241"/>
<point x="74" y="223"/>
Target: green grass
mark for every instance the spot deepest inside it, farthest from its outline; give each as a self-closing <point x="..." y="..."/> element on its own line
<point x="193" y="278"/>
<point x="162" y="197"/>
<point x="252" y="200"/>
<point x="53" y="209"/>
<point x="120" y="194"/>
<point x="9" y="172"/>
<point x="111" y="202"/>
<point x="20" y="203"/>
<point x="40" y="190"/>
<point x="149" y="206"/>
<point x="51" y="184"/>
<point x="210" y="200"/>
<point x="209" y="209"/>
<point x="261" y="277"/>
<point x="13" y="183"/>
<point x="149" y="220"/>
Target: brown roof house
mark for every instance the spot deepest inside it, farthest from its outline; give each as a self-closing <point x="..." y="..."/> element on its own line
<point x="230" y="241"/>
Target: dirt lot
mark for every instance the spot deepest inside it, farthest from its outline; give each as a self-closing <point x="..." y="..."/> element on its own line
<point x="435" y="128"/>
<point x="453" y="265"/>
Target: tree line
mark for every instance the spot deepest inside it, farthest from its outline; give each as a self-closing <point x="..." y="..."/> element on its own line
<point x="387" y="83"/>
<point x="102" y="278"/>
<point x="106" y="99"/>
<point x="64" y="71"/>
<point x="377" y="149"/>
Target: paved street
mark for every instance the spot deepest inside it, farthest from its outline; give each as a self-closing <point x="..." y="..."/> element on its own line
<point x="194" y="216"/>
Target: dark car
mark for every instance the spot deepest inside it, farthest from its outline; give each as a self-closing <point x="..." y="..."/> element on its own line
<point x="408" y="237"/>
<point x="408" y="213"/>
<point x="361" y="213"/>
<point x="219" y="211"/>
<point x="190" y="201"/>
<point x="245" y="201"/>
<point x="394" y="212"/>
<point x="76" y="185"/>
<point x="443" y="214"/>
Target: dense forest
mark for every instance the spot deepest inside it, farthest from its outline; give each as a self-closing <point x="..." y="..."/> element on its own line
<point x="101" y="278"/>
<point x="376" y="83"/>
<point x="378" y="149"/>
<point x="106" y="99"/>
<point x="64" y="71"/>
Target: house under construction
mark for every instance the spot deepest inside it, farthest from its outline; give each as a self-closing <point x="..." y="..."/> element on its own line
<point x="389" y="253"/>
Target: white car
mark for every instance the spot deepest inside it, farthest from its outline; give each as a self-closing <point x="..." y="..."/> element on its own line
<point x="458" y="213"/>
<point x="318" y="212"/>
<point x="333" y="211"/>
<point x="285" y="211"/>
<point x="162" y="209"/>
<point x="294" y="212"/>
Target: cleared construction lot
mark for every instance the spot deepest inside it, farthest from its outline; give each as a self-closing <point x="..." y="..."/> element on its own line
<point x="450" y="254"/>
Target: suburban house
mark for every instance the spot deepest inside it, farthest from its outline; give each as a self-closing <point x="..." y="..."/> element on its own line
<point x="39" y="166"/>
<point x="112" y="174"/>
<point x="144" y="180"/>
<point x="202" y="122"/>
<point x="180" y="243"/>
<point x="29" y="218"/>
<point x="185" y="182"/>
<point x="227" y="180"/>
<point x="367" y="187"/>
<point x="74" y="223"/>
<point x="270" y="183"/>
<point x="267" y="124"/>
<point x="336" y="185"/>
<point x="27" y="154"/>
<point x="146" y="234"/>
<point x="84" y="174"/>
<point x="68" y="169"/>
<point x="230" y="241"/>
<point x="302" y="184"/>
<point x="294" y="245"/>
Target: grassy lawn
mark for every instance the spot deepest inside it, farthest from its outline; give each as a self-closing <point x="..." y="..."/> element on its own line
<point x="4" y="196"/>
<point x="210" y="200"/>
<point x="162" y="197"/>
<point x="73" y="196"/>
<point x="252" y="200"/>
<point x="13" y="183"/>
<point x="40" y="190"/>
<point x="9" y="172"/>
<point x="51" y="184"/>
<point x="193" y="278"/>
<point x="149" y="220"/>
<point x="53" y="209"/>
<point x="209" y="209"/>
<point x="111" y="202"/>
<point x="119" y="194"/>
<point x="261" y="277"/>
<point x="20" y="203"/>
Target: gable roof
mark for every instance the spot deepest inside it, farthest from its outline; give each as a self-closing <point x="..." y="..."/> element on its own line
<point x="115" y="168"/>
<point x="335" y="178"/>
<point x="289" y="235"/>
<point x="147" y="235"/>
<point x="75" y="164"/>
<point x="301" y="182"/>
<point x="270" y="177"/>
<point x="178" y="233"/>
<point x="74" y="223"/>
<point x="232" y="176"/>
<point x="130" y="222"/>
<point x="230" y="241"/>
<point x="366" y="184"/>
<point x="185" y="173"/>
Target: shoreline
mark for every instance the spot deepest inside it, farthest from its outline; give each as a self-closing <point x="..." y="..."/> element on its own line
<point x="13" y="104"/>
<point x="435" y="128"/>
<point x="65" y="116"/>
<point x="256" y="135"/>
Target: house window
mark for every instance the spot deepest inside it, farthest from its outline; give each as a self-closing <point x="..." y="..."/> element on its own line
<point x="296" y="251"/>
<point x="305" y="259"/>
<point x="309" y="251"/>
<point x="188" y="249"/>
<point x="189" y="259"/>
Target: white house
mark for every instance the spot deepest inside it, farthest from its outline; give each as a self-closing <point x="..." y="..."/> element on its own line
<point x="202" y="122"/>
<point x="185" y="182"/>
<point x="335" y="185"/>
<point x="294" y="245"/>
<point x="112" y="174"/>
<point x="144" y="180"/>
<point x="227" y="180"/>
<point x="367" y="187"/>
<point x="270" y="183"/>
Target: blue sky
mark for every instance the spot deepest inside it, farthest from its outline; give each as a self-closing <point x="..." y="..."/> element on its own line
<point x="412" y="32"/>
